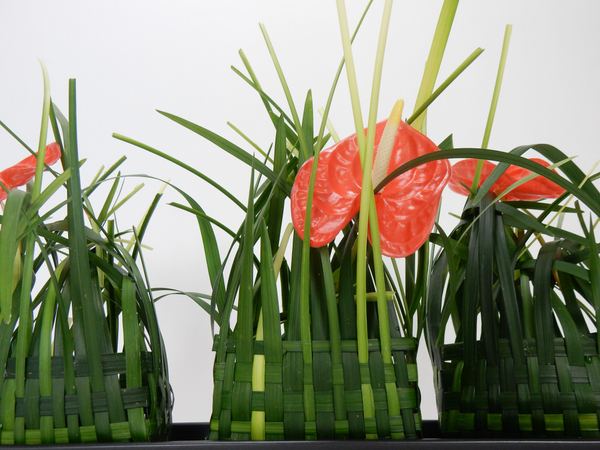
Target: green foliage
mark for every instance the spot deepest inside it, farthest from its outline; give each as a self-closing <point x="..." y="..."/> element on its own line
<point x="324" y="338"/>
<point x="80" y="342"/>
<point x="521" y="298"/>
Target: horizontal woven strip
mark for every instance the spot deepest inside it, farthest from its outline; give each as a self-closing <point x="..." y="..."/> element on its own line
<point x="341" y="426"/>
<point x="455" y="351"/>
<point x="112" y="364"/>
<point x="132" y="398"/>
<point x="398" y="344"/>
<point x="529" y="399"/>
<point x="119" y="432"/>
<point x="334" y="396"/>
<point x="555" y="422"/>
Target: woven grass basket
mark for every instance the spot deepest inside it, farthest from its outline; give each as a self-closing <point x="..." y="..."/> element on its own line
<point x="81" y="350"/>
<point x="270" y="383"/>
<point x="524" y="362"/>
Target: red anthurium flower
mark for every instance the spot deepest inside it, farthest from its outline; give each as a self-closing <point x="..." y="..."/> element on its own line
<point x="23" y="172"/>
<point x="406" y="207"/>
<point x="463" y="172"/>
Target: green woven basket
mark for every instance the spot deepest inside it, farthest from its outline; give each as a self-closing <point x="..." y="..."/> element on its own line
<point x="524" y="362"/>
<point x="521" y="397"/>
<point x="82" y="353"/>
<point x="314" y="389"/>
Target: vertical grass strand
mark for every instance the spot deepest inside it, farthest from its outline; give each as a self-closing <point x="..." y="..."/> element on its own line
<point x="434" y="60"/>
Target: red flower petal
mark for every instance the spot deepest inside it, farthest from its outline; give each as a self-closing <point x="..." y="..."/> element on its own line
<point x="335" y="200"/>
<point x="536" y="189"/>
<point x="463" y="173"/>
<point x="406" y="207"/>
<point x="23" y="172"/>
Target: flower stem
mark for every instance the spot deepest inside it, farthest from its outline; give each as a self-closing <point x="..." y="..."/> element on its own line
<point x="453" y="76"/>
<point x="257" y="421"/>
<point x="367" y="204"/>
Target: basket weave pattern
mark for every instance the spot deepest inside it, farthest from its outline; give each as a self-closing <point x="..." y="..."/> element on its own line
<point x="520" y="400"/>
<point x="126" y="408"/>
<point x="524" y="362"/>
<point x="283" y="406"/>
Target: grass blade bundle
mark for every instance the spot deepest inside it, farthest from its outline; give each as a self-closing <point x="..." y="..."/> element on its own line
<point x="84" y="359"/>
<point x="520" y="296"/>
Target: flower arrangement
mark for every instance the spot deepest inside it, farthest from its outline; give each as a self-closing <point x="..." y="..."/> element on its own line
<point x="318" y="321"/>
<point x="531" y="369"/>
<point x="323" y="341"/>
<point x="82" y="353"/>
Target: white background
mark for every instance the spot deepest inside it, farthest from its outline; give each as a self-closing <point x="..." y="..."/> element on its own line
<point x="133" y="57"/>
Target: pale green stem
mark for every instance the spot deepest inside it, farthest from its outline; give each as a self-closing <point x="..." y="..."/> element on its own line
<point x="325" y="112"/>
<point x="122" y="202"/>
<point x="330" y="128"/>
<point x="438" y="46"/>
<point x="453" y="76"/>
<point x="367" y="204"/>
<point x="285" y="239"/>
<point x="257" y="421"/>
<point x="351" y="74"/>
<point x="361" y="322"/>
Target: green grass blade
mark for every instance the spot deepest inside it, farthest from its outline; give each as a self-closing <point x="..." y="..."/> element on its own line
<point x="80" y="277"/>
<point x="498" y="85"/>
<point x="229" y="147"/>
<point x="304" y="149"/>
<point x="9" y="246"/>
<point x="183" y="165"/>
<point x="434" y="60"/>
<point x="594" y="268"/>
<point x="37" y="181"/>
<point x="201" y="215"/>
<point x="276" y="205"/>
<point x="131" y="338"/>
<point x="510" y="306"/>
<point x="542" y="306"/>
<point x="453" y="76"/>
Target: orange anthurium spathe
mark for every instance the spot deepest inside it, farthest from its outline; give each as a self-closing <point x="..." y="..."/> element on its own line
<point x="538" y="188"/>
<point x="406" y="207"/>
<point x="23" y="172"/>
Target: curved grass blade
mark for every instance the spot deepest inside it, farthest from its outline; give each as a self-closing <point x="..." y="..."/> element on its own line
<point x="183" y="165"/>
<point x="9" y="246"/>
